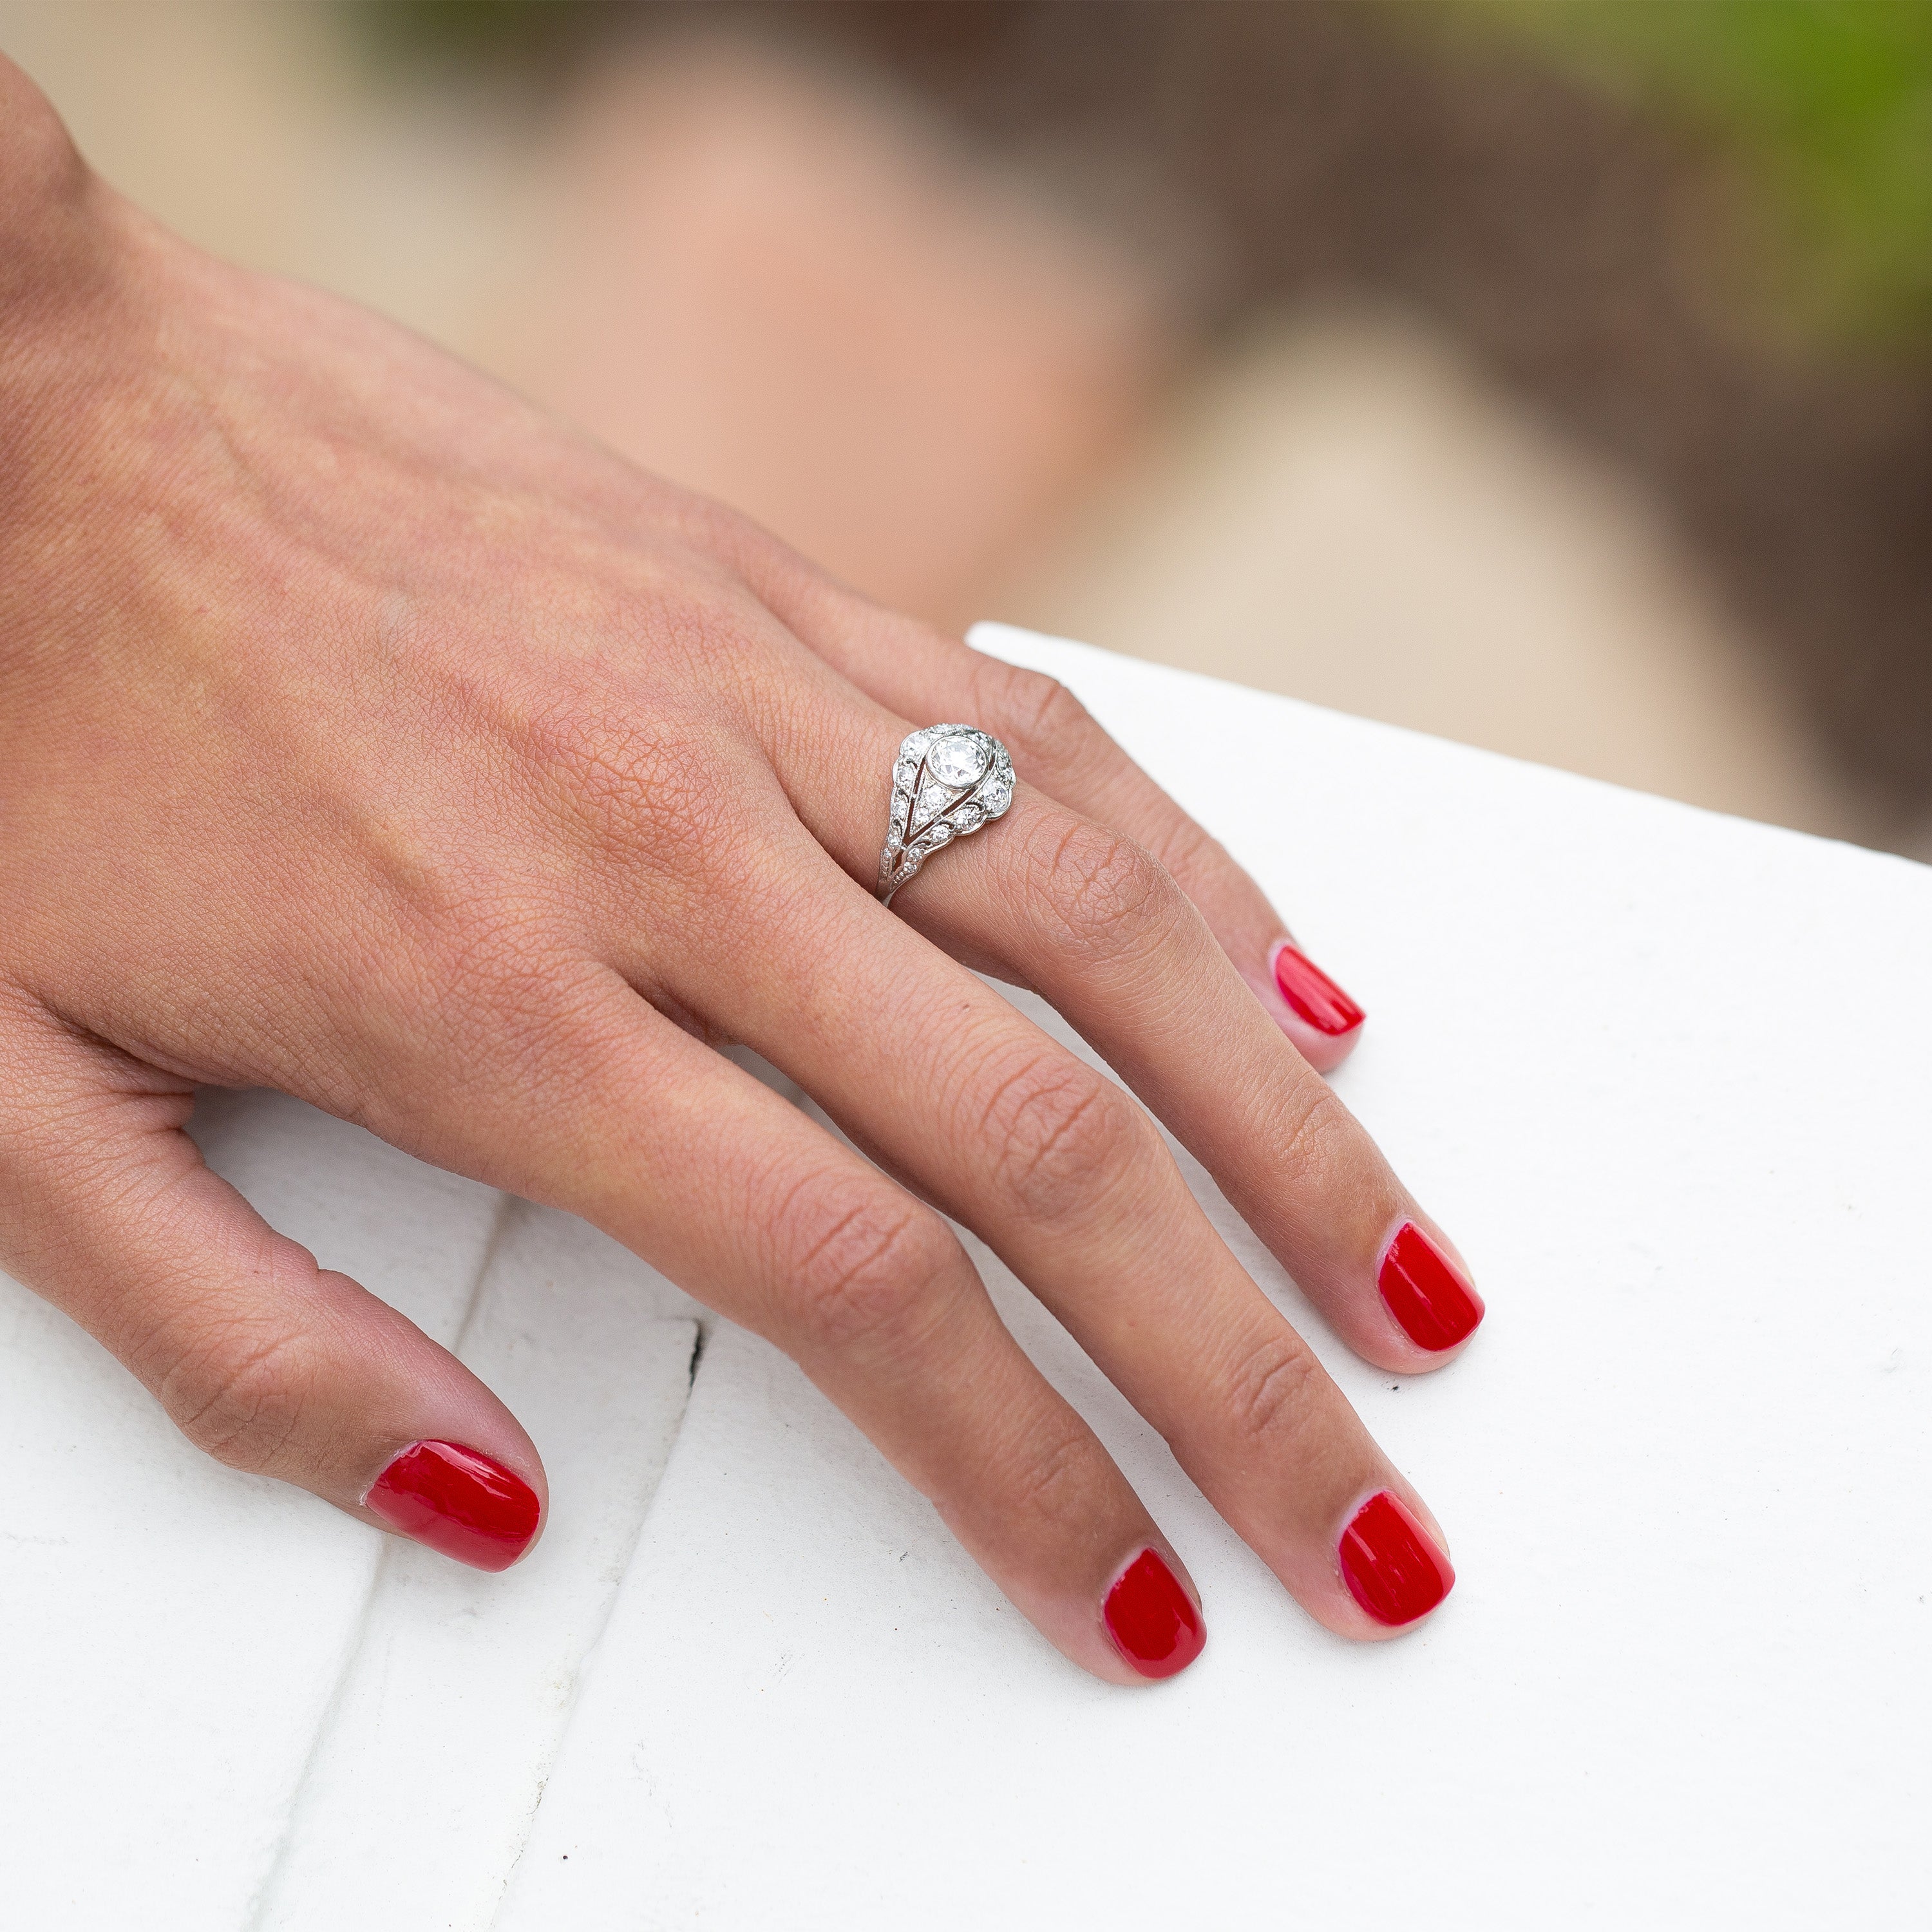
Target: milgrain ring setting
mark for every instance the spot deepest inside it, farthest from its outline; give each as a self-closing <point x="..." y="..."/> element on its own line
<point x="948" y="780"/>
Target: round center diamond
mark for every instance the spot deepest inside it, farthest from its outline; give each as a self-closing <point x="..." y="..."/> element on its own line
<point x="957" y="761"/>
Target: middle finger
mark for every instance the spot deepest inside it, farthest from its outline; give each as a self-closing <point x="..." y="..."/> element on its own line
<point x="1066" y="1179"/>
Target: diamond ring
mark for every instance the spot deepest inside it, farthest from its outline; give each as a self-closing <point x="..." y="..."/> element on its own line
<point x="947" y="780"/>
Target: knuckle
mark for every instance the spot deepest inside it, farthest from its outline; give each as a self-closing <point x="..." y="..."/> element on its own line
<point x="1102" y="894"/>
<point x="1275" y="1391"/>
<point x="622" y="785"/>
<point x="241" y="1396"/>
<point x="866" y="1273"/>
<point x="1311" y="1132"/>
<point x="1067" y="1135"/>
<point x="1038" y="712"/>
<point x="742" y="553"/>
<point x="1056" y="1483"/>
<point x="714" y="528"/>
<point x="1185" y="850"/>
<point x="44" y="152"/>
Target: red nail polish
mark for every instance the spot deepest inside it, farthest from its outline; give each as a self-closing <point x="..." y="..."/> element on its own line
<point x="1153" y="1620"/>
<point x="462" y="1504"/>
<point x="1392" y="1567"/>
<point x="1436" y="1307"/>
<point x="1312" y="994"/>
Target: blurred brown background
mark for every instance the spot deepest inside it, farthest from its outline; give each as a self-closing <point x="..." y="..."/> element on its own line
<point x="1554" y="379"/>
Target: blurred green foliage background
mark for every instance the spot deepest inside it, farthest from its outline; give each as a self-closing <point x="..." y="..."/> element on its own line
<point x="1824" y="105"/>
<point x="1822" y="109"/>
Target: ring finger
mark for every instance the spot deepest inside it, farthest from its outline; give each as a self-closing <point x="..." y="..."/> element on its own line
<point x="1067" y="1180"/>
<point x="919" y="672"/>
<point x="1085" y="917"/>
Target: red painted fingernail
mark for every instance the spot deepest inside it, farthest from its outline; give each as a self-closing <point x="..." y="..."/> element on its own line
<point x="466" y="1505"/>
<point x="1392" y="1567"/>
<point x="1436" y="1307"/>
<point x="1312" y="994"/>
<point x="1153" y="1620"/>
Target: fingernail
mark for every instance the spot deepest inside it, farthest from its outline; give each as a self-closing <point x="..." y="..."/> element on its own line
<point x="1312" y="994"/>
<point x="464" y="1504"/>
<point x="1392" y="1567"/>
<point x="1153" y="1620"/>
<point x="1425" y="1292"/>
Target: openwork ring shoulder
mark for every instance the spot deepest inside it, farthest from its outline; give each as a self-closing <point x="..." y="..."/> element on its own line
<point x="948" y="780"/>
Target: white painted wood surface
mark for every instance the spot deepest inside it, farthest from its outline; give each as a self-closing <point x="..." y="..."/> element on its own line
<point x="1668" y="1079"/>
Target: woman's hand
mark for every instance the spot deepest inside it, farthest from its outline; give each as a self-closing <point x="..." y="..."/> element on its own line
<point x="365" y="733"/>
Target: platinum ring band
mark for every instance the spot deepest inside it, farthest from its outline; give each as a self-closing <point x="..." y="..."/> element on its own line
<point x="948" y="781"/>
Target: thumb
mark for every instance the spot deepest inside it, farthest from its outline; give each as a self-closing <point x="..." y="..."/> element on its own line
<point x="267" y="1361"/>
